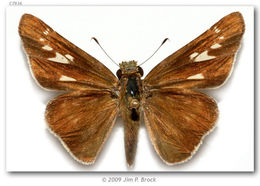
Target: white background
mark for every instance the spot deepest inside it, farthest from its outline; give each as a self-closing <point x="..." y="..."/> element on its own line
<point x="83" y="179"/>
<point x="127" y="33"/>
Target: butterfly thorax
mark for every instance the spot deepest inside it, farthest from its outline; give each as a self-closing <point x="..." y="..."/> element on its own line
<point x="130" y="75"/>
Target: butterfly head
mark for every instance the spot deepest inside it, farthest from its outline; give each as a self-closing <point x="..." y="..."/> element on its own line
<point x="129" y="68"/>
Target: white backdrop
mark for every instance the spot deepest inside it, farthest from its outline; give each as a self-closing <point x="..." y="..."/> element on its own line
<point x="127" y="33"/>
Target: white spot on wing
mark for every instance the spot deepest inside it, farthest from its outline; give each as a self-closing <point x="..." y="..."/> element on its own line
<point x="46" y="32"/>
<point x="66" y="78"/>
<point x="217" y="30"/>
<point x="41" y="39"/>
<point x="196" y="76"/>
<point x="215" y="46"/>
<point x="69" y="57"/>
<point x="193" y="55"/>
<point x="221" y="37"/>
<point x="47" y="47"/>
<point x="59" y="58"/>
<point x="203" y="56"/>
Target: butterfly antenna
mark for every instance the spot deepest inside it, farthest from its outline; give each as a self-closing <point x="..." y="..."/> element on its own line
<point x="104" y="51"/>
<point x="155" y="51"/>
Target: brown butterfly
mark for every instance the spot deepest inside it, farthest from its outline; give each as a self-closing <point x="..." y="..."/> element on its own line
<point x="176" y="116"/>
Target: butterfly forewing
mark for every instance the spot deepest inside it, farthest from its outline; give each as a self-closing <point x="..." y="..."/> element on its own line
<point x="82" y="120"/>
<point x="203" y="63"/>
<point x="56" y="63"/>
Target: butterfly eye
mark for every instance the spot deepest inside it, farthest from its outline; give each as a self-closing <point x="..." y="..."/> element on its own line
<point x="119" y="73"/>
<point x="140" y="71"/>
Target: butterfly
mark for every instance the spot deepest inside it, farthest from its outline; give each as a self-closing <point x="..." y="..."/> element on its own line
<point x="176" y="115"/>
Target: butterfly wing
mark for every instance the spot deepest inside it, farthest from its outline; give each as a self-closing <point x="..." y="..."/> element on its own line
<point x="82" y="120"/>
<point x="177" y="117"/>
<point x="58" y="64"/>
<point x="205" y="62"/>
<point x="177" y="120"/>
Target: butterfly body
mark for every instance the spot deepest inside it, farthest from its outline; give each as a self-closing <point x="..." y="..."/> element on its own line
<point x="130" y="84"/>
<point x="176" y="115"/>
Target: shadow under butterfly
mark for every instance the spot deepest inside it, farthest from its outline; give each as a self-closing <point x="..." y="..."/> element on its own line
<point x="176" y="115"/>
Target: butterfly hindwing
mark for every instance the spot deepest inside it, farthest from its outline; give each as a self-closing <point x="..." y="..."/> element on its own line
<point x="82" y="120"/>
<point x="205" y="62"/>
<point x="177" y="120"/>
<point x="58" y="64"/>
